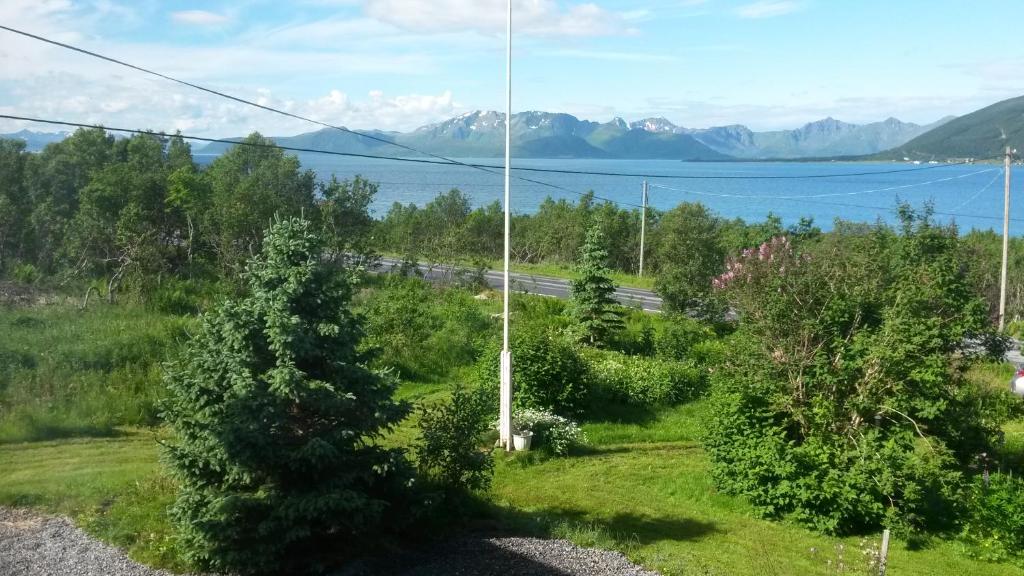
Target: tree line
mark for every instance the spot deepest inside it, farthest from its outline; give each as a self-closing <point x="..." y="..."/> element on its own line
<point x="131" y="214"/>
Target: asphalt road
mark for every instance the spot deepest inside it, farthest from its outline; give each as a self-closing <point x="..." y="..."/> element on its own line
<point x="532" y="284"/>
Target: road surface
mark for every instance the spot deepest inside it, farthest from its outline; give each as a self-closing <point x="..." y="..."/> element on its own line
<point x="645" y="300"/>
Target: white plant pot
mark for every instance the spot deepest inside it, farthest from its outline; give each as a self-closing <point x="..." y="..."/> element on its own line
<point x="522" y="440"/>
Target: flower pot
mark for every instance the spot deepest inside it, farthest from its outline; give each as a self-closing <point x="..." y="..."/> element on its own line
<point x="522" y="440"/>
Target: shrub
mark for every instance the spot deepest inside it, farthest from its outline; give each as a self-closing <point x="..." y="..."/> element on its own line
<point x="26" y="273"/>
<point x="994" y="528"/>
<point x="646" y="381"/>
<point x="843" y="400"/>
<point x="637" y="336"/>
<point x="551" y="431"/>
<point x="277" y="422"/>
<point x="180" y="297"/>
<point x="678" y="336"/>
<point x="547" y="371"/>
<point x="422" y="331"/>
<point x="449" y="453"/>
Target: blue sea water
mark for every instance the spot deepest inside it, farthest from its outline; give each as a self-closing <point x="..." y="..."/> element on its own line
<point x="971" y="195"/>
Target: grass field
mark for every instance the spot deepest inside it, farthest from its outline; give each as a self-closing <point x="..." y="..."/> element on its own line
<point x="640" y="486"/>
<point x="67" y="372"/>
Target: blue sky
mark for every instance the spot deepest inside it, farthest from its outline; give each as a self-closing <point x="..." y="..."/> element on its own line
<point x="398" y="64"/>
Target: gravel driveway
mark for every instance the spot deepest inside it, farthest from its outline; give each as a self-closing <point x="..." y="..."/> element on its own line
<point x="34" y="545"/>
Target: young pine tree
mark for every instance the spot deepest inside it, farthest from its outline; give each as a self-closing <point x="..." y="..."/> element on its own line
<point x="275" y="420"/>
<point x="592" y="304"/>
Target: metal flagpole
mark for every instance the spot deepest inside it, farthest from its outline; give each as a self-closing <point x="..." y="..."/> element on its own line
<point x="1006" y="241"/>
<point x="505" y="415"/>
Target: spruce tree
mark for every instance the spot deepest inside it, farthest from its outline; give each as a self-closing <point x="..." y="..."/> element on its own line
<point x="592" y="303"/>
<point x="276" y="419"/>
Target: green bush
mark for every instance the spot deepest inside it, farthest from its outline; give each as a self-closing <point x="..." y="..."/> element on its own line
<point x="547" y="371"/>
<point x="710" y="352"/>
<point x="842" y="401"/>
<point x="180" y="297"/>
<point x="678" y="336"/>
<point x="637" y="336"/>
<point x="450" y="452"/>
<point x="277" y="423"/>
<point x="422" y="331"/>
<point x="994" y="527"/>
<point x="646" y="381"/>
<point x="25" y="273"/>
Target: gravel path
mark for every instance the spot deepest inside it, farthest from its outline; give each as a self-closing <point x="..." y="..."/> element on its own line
<point x="34" y="545"/>
<point x="506" y="556"/>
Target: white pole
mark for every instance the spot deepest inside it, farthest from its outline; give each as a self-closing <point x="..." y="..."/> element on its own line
<point x="1006" y="241"/>
<point x="643" y="224"/>
<point x="883" y="554"/>
<point x="505" y="415"/>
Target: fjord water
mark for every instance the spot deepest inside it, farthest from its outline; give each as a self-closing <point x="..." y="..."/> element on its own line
<point x="971" y="195"/>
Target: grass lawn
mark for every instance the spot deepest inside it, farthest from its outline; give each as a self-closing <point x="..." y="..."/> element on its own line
<point x="641" y="487"/>
<point x="562" y="271"/>
<point x="115" y="488"/>
<point x="645" y="490"/>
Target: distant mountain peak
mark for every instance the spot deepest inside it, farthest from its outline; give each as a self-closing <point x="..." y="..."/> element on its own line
<point x="658" y="125"/>
<point x="619" y="123"/>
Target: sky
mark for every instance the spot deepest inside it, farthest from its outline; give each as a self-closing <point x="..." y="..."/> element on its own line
<point x="400" y="64"/>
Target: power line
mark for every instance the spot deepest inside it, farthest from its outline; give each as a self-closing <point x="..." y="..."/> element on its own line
<point x="447" y="160"/>
<point x="450" y="161"/>
<point x="297" y="149"/>
<point x="823" y="195"/>
<point x="979" y="192"/>
<point x="738" y="177"/>
<point x="814" y="200"/>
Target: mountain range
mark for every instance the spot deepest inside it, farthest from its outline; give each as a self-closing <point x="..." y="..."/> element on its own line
<point x="980" y="134"/>
<point x="36" y="141"/>
<point x="558" y="135"/>
<point x="984" y="133"/>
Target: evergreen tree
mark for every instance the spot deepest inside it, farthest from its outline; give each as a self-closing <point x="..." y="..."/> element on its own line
<point x="593" y="306"/>
<point x="277" y="421"/>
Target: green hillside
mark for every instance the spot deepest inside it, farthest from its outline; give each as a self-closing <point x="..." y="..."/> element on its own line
<point x="983" y="133"/>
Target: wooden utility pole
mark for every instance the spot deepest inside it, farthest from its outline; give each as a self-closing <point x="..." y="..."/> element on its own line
<point x="1006" y="240"/>
<point x="643" y="226"/>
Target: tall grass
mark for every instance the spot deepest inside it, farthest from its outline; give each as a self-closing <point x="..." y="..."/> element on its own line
<point x="67" y="372"/>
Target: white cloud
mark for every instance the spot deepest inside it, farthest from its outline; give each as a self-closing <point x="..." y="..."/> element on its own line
<point x="767" y="9"/>
<point x="130" y="102"/>
<point x="199" y="18"/>
<point x="533" y="17"/>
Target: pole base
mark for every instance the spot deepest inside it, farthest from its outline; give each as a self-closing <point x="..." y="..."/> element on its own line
<point x="505" y="409"/>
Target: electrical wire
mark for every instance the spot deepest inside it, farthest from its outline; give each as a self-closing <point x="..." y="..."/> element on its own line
<point x="979" y="192"/>
<point x="823" y="195"/>
<point x="813" y="199"/>
<point x="297" y="149"/>
<point x="447" y="160"/>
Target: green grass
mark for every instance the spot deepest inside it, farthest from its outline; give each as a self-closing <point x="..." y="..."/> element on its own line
<point x="67" y="372"/>
<point x="114" y="488"/>
<point x="644" y="488"/>
<point x="565" y="271"/>
<point x="641" y="486"/>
